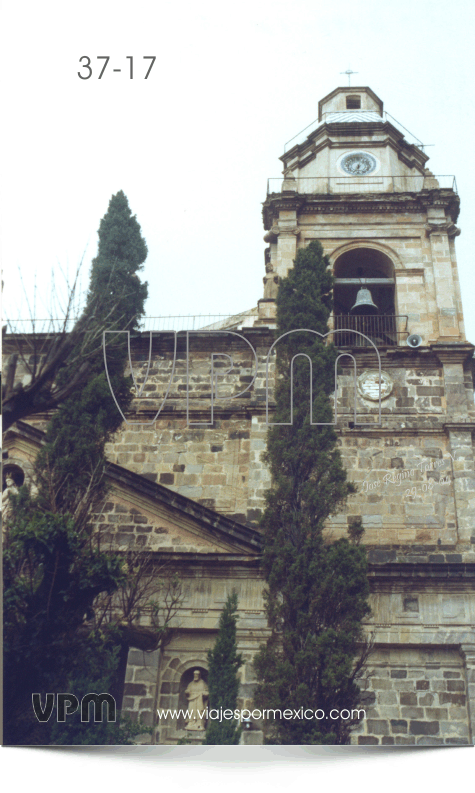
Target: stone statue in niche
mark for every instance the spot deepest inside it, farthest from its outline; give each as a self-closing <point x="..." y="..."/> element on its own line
<point x="197" y="696"/>
<point x="10" y="490"/>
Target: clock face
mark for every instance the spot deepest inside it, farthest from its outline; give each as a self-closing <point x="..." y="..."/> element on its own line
<point x="359" y="163"/>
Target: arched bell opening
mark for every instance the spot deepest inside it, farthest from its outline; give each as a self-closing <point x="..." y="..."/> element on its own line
<point x="364" y="297"/>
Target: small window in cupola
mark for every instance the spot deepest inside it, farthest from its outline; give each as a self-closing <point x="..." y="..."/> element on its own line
<point x="353" y="102"/>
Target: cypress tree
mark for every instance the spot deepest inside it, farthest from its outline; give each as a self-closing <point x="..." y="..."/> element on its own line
<point x="70" y="466"/>
<point x="54" y="566"/>
<point x="316" y="594"/>
<point x="114" y="301"/>
<point x="224" y="662"/>
<point x="114" y="285"/>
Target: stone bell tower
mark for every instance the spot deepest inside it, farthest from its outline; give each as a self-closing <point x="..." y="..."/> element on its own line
<point x="356" y="184"/>
<point x="387" y="224"/>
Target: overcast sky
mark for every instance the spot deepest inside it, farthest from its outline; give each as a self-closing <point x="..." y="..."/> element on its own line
<point x="193" y="146"/>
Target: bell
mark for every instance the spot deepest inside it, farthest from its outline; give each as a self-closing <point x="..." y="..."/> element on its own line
<point x="364" y="303"/>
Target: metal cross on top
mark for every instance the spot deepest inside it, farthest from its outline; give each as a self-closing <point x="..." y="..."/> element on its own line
<point x="349" y="73"/>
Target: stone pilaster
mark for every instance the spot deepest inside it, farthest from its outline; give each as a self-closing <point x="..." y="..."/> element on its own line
<point x="287" y="251"/>
<point x="453" y="357"/>
<point x="468" y="654"/>
<point x="463" y="463"/>
<point x="439" y="232"/>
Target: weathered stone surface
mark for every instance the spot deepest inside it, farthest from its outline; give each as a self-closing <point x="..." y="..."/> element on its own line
<point x="398" y="726"/>
<point x="190" y="493"/>
<point x="133" y="689"/>
<point x="424" y="727"/>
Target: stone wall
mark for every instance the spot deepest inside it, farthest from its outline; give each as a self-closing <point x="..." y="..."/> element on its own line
<point x="405" y="470"/>
<point x="157" y="680"/>
<point x="140" y="688"/>
<point x="416" y="494"/>
<point x="415" y="697"/>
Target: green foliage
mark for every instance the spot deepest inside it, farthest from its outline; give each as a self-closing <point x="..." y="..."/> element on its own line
<point x="95" y="674"/>
<point x="114" y="286"/>
<point x="317" y="591"/>
<point x="183" y="741"/>
<point x="71" y="463"/>
<point x="223" y="683"/>
<point x="52" y="575"/>
<point x="54" y="567"/>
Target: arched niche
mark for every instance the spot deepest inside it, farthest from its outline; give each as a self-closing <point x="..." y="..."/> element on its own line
<point x="15" y="472"/>
<point x="185" y="680"/>
<point x="358" y="263"/>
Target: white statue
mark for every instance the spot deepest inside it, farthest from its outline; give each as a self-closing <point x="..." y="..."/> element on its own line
<point x="10" y="490"/>
<point x="197" y="695"/>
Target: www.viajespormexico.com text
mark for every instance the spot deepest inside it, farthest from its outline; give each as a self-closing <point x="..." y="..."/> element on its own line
<point x="218" y="714"/>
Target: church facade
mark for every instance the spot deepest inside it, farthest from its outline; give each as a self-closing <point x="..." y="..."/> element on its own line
<point x="186" y="471"/>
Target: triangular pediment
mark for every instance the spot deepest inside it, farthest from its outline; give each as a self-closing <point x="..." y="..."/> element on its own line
<point x="139" y="513"/>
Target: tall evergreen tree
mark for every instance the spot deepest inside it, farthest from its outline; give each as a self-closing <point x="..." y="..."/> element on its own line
<point x="224" y="662"/>
<point x="317" y="590"/>
<point x="70" y="466"/>
<point x="114" y="285"/>
<point x="115" y="300"/>
<point x="53" y="566"/>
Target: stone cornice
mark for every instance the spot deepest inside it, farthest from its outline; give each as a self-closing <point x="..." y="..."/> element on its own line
<point x="442" y="228"/>
<point x="216" y="525"/>
<point x="215" y="564"/>
<point x="422" y="571"/>
<point x="344" y="134"/>
<point x="27" y="431"/>
<point x="178" y="412"/>
<point x="354" y="203"/>
<point x="391" y="574"/>
<point x="460" y="426"/>
<point x="324" y="137"/>
<point x="457" y="352"/>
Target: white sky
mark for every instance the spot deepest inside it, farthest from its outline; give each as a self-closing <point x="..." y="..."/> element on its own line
<point x="193" y="146"/>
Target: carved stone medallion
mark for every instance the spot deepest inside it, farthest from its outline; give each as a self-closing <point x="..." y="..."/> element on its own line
<point x="368" y="385"/>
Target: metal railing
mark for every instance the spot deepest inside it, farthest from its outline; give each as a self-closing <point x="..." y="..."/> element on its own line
<point x="182" y="322"/>
<point x="172" y="322"/>
<point x="383" y="329"/>
<point x="323" y="185"/>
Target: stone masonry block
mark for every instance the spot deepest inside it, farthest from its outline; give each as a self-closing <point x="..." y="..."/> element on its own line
<point x="134" y="689"/>
<point x="408" y="698"/>
<point x="424" y="727"/>
<point x="399" y="726"/>
<point x="378" y="726"/>
<point x="455" y="685"/>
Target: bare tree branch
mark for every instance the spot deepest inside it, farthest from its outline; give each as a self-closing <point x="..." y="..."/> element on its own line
<point x="43" y="355"/>
<point x="151" y="592"/>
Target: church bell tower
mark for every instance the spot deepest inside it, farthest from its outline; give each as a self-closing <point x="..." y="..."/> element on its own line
<point x="387" y="223"/>
<point x="358" y="185"/>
